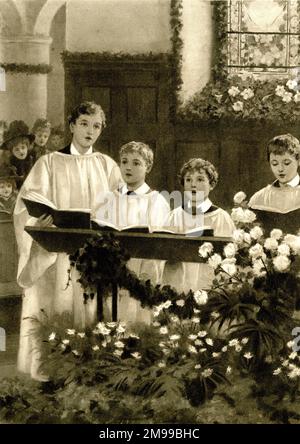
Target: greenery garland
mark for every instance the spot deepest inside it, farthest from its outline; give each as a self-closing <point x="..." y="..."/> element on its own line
<point x="106" y="56"/>
<point x="177" y="45"/>
<point x="220" y="18"/>
<point x="24" y="68"/>
<point x="102" y="263"/>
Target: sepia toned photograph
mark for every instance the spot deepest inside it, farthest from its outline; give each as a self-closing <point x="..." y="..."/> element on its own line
<point x="149" y="213"/>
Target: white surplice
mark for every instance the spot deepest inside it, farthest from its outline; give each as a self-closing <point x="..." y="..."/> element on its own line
<point x="69" y="181"/>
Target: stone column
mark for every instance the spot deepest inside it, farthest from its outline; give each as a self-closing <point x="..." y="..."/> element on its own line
<point x="25" y="96"/>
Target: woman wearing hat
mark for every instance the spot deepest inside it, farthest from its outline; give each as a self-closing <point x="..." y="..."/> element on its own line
<point x="18" y="140"/>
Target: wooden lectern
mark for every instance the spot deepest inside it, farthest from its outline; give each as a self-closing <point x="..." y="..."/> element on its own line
<point x="140" y="245"/>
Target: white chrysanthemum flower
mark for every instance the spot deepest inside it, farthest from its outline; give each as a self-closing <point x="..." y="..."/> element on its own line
<point x="233" y="91"/>
<point x="293" y="242"/>
<point x="81" y="334"/>
<point x="75" y="352"/>
<point x="229" y="267"/>
<point x="201" y="297"/>
<point x="207" y="372"/>
<point x="247" y="93"/>
<point x="134" y="336"/>
<point x="195" y="320"/>
<point x="247" y="238"/>
<point x="70" y="331"/>
<point x="205" y="249"/>
<point x="233" y="343"/>
<point x="248" y="355"/>
<point x="287" y="97"/>
<point x="238" y="236"/>
<point x="162" y="344"/>
<point x="180" y="302"/>
<point x="164" y="330"/>
<point x="271" y="244"/>
<point x="136" y="355"/>
<point x="62" y="346"/>
<point x="214" y="261"/>
<point x="214" y="314"/>
<point x="256" y="251"/>
<point x="238" y="106"/>
<point x="238" y="348"/>
<point x="52" y="336"/>
<point x="258" y="268"/>
<point x="119" y="344"/>
<point x="202" y="333"/>
<point x="230" y="250"/>
<point x="224" y="349"/>
<point x="228" y="370"/>
<point x="277" y="371"/>
<point x="100" y="327"/>
<point x="290" y="344"/>
<point x="202" y="350"/>
<point x="198" y="342"/>
<point x="239" y="197"/>
<point x="237" y="215"/>
<point x="281" y="263"/>
<point x="167" y="304"/>
<point x="215" y="354"/>
<point x="174" y="319"/>
<point x="245" y="341"/>
<point x="249" y="216"/>
<point x="297" y="97"/>
<point x="104" y="344"/>
<point x="196" y="311"/>
<point x="175" y="337"/>
<point x="292" y="84"/>
<point x="197" y="366"/>
<point x="276" y="233"/>
<point x="96" y="347"/>
<point x="285" y="363"/>
<point x="209" y="341"/>
<point x="256" y="233"/>
<point x="192" y="349"/>
<point x="66" y="341"/>
<point x="280" y="90"/>
<point x="156" y="324"/>
<point x="284" y="249"/>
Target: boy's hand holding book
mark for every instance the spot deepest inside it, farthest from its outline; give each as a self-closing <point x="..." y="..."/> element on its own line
<point x="46" y="220"/>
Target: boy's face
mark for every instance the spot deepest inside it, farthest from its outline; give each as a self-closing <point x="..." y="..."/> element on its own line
<point x="6" y="189"/>
<point x="197" y="186"/>
<point x="42" y="136"/>
<point x="20" y="150"/>
<point x="86" y="130"/>
<point x="284" y="167"/>
<point x="134" y="169"/>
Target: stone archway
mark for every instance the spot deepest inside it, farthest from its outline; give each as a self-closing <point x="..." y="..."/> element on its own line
<point x="46" y="15"/>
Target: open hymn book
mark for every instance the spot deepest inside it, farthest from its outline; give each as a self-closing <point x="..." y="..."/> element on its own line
<point x="194" y="232"/>
<point x="37" y="205"/>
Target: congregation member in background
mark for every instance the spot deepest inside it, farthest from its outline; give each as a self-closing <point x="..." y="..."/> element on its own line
<point x="57" y="139"/>
<point x="198" y="178"/>
<point x="278" y="204"/>
<point x="41" y="130"/>
<point x="70" y="178"/>
<point x="3" y="153"/>
<point x="17" y="141"/>
<point x="8" y="191"/>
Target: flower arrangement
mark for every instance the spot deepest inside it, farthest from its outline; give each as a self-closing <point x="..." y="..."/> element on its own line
<point x="245" y="97"/>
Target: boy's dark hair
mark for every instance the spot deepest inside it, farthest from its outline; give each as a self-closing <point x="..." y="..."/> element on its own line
<point x="284" y="143"/>
<point x="140" y="148"/>
<point x="41" y="124"/>
<point x="89" y="108"/>
<point x="197" y="164"/>
<point x="9" y="180"/>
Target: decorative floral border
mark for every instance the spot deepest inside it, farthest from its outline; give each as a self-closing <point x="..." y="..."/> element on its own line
<point x="177" y="45"/>
<point x="68" y="56"/>
<point x="24" y="68"/>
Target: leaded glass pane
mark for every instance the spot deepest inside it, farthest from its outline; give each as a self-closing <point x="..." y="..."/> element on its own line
<point x="263" y="35"/>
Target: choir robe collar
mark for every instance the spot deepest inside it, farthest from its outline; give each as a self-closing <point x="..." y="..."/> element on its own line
<point x="70" y="149"/>
<point x="201" y="208"/>
<point x="143" y="189"/>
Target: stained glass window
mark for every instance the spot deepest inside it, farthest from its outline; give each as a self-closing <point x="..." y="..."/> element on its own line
<point x="264" y="36"/>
